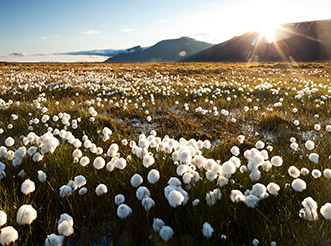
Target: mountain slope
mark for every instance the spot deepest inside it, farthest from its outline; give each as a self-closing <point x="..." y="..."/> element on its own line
<point x="164" y="51"/>
<point x="305" y="41"/>
<point x="106" y="52"/>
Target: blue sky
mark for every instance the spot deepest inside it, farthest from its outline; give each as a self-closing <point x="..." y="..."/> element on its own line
<point x="51" y="26"/>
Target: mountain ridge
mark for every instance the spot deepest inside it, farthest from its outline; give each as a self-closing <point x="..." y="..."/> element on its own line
<point x="169" y="50"/>
<point x="302" y="41"/>
<point x="104" y="52"/>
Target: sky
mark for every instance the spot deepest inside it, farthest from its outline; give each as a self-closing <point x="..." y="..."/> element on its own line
<point x="35" y="30"/>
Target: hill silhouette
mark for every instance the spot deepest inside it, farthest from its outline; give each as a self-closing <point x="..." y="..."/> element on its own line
<point x="304" y="41"/>
<point x="164" y="51"/>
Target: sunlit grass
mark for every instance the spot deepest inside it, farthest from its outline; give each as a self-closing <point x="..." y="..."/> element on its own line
<point x="181" y="107"/>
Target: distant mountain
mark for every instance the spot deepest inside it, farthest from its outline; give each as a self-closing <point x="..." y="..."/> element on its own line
<point x="164" y="51"/>
<point x="304" y="41"/>
<point x="106" y="52"/>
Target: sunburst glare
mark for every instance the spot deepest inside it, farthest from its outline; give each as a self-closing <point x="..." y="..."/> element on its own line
<point x="268" y="31"/>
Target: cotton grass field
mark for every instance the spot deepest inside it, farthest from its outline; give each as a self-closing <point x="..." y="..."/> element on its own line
<point x="165" y="154"/>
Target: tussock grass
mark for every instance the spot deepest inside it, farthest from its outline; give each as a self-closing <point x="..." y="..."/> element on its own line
<point x="95" y="219"/>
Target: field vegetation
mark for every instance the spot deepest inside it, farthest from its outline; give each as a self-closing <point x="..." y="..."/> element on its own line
<point x="165" y="154"/>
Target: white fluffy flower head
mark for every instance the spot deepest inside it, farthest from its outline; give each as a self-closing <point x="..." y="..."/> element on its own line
<point x="26" y="215"/>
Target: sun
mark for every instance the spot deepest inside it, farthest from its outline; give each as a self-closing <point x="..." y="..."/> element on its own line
<point x="268" y="31"/>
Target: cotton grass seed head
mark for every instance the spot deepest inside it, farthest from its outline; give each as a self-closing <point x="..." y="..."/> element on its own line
<point x="309" y="210"/>
<point x="101" y="189"/>
<point x="207" y="230"/>
<point x="42" y="176"/>
<point x="235" y="150"/>
<point x="251" y="201"/>
<point x="326" y="211"/>
<point x="266" y="166"/>
<point x="136" y="180"/>
<point x="310" y="145"/>
<point x="157" y="224"/>
<point x="173" y="181"/>
<point x="66" y="217"/>
<point x="153" y="176"/>
<point x="293" y="172"/>
<point x="84" y="161"/>
<point x="241" y="138"/>
<point x="299" y="185"/>
<point x="77" y="153"/>
<point x="327" y="173"/>
<point x="2" y="166"/>
<point x="309" y="202"/>
<point x="166" y="233"/>
<point x="3" y="218"/>
<point x="243" y="169"/>
<point x="294" y="146"/>
<point x="195" y="202"/>
<point x="143" y="143"/>
<point x="273" y="188"/>
<point x="8" y="235"/>
<point x="316" y="173"/>
<point x="255" y="175"/>
<point x="123" y="211"/>
<point x="181" y="169"/>
<point x="142" y="192"/>
<point x="148" y="161"/>
<point x="99" y="163"/>
<point x="175" y="198"/>
<point x="237" y="196"/>
<point x="27" y="187"/>
<point x="255" y="242"/>
<point x="304" y="171"/>
<point x="21" y="173"/>
<point x="147" y="203"/>
<point x="317" y="127"/>
<point x="185" y="155"/>
<point x="54" y="240"/>
<point x="79" y="181"/>
<point x="113" y="149"/>
<point x="187" y="178"/>
<point x="82" y="191"/>
<point x="228" y="168"/>
<point x="65" y="228"/>
<point x="206" y="144"/>
<point x="259" y="144"/>
<point x="32" y="150"/>
<point x="26" y="214"/>
<point x="259" y="190"/>
<point x="119" y="199"/>
<point x="277" y="161"/>
<point x="313" y="157"/>
<point x="9" y="142"/>
<point x="65" y="190"/>
<point x="120" y="163"/>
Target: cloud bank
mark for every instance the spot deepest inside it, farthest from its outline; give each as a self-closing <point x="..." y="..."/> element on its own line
<point x="89" y="32"/>
<point x="127" y="29"/>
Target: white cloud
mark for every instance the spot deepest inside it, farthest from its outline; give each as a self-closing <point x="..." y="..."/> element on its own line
<point x="56" y="35"/>
<point x="44" y="38"/>
<point x="89" y="32"/>
<point x="19" y="54"/>
<point x="127" y="29"/>
<point x="163" y="21"/>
